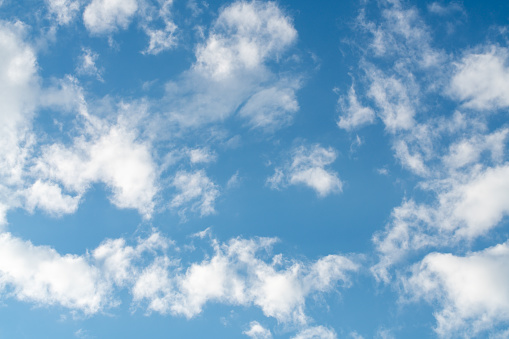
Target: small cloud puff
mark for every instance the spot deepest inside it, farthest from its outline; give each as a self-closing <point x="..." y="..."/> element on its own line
<point x="307" y="167"/>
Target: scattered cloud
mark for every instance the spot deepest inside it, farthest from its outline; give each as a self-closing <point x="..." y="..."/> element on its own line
<point x="471" y="290"/>
<point x="481" y="79"/>
<point x="112" y="155"/>
<point x="307" y="167"/>
<point x="64" y="10"/>
<point x="231" y="74"/>
<point x="107" y="16"/>
<point x="197" y="189"/>
<point x="40" y="275"/>
<point x="257" y="331"/>
<point x="87" y="64"/>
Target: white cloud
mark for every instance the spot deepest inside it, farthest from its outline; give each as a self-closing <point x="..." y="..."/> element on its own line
<point x="107" y="16"/>
<point x="471" y="290"/>
<point x="87" y="64"/>
<point x="49" y="197"/>
<point x="195" y="188"/>
<point x="235" y="275"/>
<point x="317" y="332"/>
<point x="414" y="162"/>
<point x="481" y="80"/>
<point x="440" y="9"/>
<point x="354" y="114"/>
<point x="307" y="167"/>
<point x="161" y="39"/>
<point x="245" y="35"/>
<point x="257" y="331"/>
<point x="113" y="156"/>
<point x="466" y="207"/>
<point x="64" y="10"/>
<point x="21" y="95"/>
<point x="238" y="273"/>
<point x="468" y="151"/>
<point x="271" y="107"/>
<point x="231" y="74"/>
<point x="39" y="274"/>
<point x="201" y="155"/>
<point x="19" y="85"/>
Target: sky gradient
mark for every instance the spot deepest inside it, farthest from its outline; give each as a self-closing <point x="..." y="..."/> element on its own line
<point x="254" y="169"/>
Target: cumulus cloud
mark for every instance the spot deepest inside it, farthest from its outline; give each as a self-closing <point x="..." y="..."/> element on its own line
<point x="257" y="331"/>
<point x="466" y="207"/>
<point x="231" y="72"/>
<point x="236" y="275"/>
<point x="39" y="274"/>
<point x="471" y="290"/>
<point x="160" y="39"/>
<point x="245" y="35"/>
<point x="107" y="16"/>
<point x="21" y="94"/>
<point x="307" y="167"/>
<point x="64" y="10"/>
<point x="481" y="79"/>
<point x="195" y="189"/>
<point x="113" y="156"/>
<point x="270" y="107"/>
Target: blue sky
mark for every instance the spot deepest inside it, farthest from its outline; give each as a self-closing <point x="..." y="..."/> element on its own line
<point x="253" y="169"/>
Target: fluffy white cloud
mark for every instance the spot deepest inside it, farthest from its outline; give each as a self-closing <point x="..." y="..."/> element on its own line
<point x="481" y="80"/>
<point x="245" y="35"/>
<point x="49" y="197"/>
<point x="307" y="167"/>
<point x="21" y="94"/>
<point x="39" y="274"/>
<point x="236" y="275"/>
<point x="257" y="331"/>
<point x="468" y="151"/>
<point x="395" y="103"/>
<point x="18" y="90"/>
<point x="354" y="114"/>
<point x="471" y="290"/>
<point x="231" y="74"/>
<point x="195" y="188"/>
<point x="317" y="332"/>
<point x="467" y="207"/>
<point x="113" y="156"/>
<point x="107" y="16"/>
<point x="64" y="10"/>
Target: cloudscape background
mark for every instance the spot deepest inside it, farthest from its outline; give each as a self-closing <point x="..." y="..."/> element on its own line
<point x="254" y="169"/>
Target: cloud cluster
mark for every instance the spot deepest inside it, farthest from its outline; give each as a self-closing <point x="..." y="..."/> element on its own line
<point x="236" y="274"/>
<point x="194" y="188"/>
<point x="231" y="73"/>
<point x="457" y="157"/>
<point x="471" y="290"/>
<point x="107" y="16"/>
